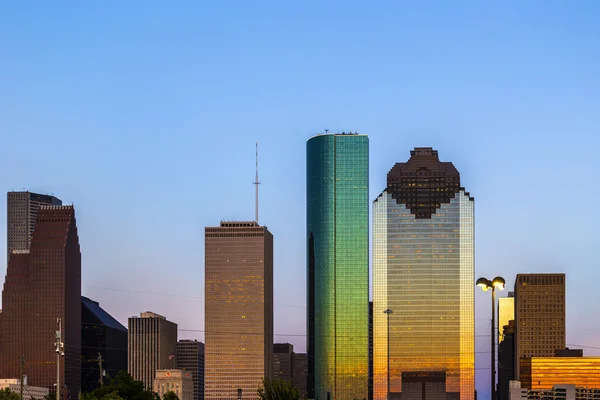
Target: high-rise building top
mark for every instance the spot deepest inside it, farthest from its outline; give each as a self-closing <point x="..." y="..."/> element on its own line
<point x="337" y="212"/>
<point x="42" y="285"/>
<point x="238" y="309"/>
<point x="22" y="210"/>
<point x="282" y="361"/>
<point x="190" y="358"/>
<point x="152" y="345"/>
<point x="423" y="275"/>
<point x="540" y="315"/>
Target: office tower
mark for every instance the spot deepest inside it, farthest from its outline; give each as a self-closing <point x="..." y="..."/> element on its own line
<point x="506" y="360"/>
<point x="103" y="337"/>
<point x="337" y="211"/>
<point x="545" y="372"/>
<point x="370" y="351"/>
<point x="22" y="210"/>
<point x="506" y="313"/>
<point x="300" y="373"/>
<point x="423" y="276"/>
<point x="174" y="380"/>
<point x="516" y="392"/>
<point x="152" y="344"/>
<point x="539" y="316"/>
<point x="238" y="309"/>
<point x="190" y="358"/>
<point x="43" y="284"/>
<point x="282" y="361"/>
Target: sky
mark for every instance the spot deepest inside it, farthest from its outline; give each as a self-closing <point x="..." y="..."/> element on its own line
<point x="144" y="115"/>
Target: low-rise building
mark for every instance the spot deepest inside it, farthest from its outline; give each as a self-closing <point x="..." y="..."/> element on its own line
<point x="29" y="392"/>
<point x="174" y="380"/>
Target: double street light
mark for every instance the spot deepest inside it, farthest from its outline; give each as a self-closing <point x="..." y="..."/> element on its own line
<point x="486" y="284"/>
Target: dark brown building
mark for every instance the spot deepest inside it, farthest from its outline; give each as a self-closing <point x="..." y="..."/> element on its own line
<point x="238" y="309"/>
<point x="190" y="358"/>
<point x="300" y="373"/>
<point x="540" y="315"/>
<point x="282" y="361"/>
<point x="43" y="284"/>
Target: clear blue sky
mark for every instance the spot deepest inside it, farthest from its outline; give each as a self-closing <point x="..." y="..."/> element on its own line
<point x="145" y="114"/>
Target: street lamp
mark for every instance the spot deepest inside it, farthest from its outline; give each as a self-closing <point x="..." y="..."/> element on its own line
<point x="485" y="284"/>
<point x="60" y="352"/>
<point x="388" y="312"/>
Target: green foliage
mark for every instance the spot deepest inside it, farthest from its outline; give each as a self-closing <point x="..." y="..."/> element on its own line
<point x="121" y="387"/>
<point x="109" y="396"/>
<point x="277" y="389"/>
<point x="50" y="396"/>
<point x="6" y="394"/>
<point x="170" y="395"/>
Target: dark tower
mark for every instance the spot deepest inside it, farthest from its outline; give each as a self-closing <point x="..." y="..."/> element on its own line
<point x="43" y="284"/>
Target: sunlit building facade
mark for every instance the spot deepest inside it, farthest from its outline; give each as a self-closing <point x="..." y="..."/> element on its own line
<point x="238" y="309"/>
<point x="506" y="313"/>
<point x="338" y="266"/>
<point x="423" y="270"/>
<point x="546" y="372"/>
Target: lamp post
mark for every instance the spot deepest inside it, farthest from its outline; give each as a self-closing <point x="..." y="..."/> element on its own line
<point x="485" y="284"/>
<point x="60" y="352"/>
<point x="388" y="312"/>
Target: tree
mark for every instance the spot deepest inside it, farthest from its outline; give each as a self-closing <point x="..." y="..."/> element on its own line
<point x="277" y="389"/>
<point x="170" y="395"/>
<point x="122" y="386"/>
<point x="7" y="394"/>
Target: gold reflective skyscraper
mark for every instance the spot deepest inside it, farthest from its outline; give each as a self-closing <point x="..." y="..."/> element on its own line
<point x="423" y="270"/>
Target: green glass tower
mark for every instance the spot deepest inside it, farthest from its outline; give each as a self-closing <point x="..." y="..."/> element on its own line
<point x="337" y="211"/>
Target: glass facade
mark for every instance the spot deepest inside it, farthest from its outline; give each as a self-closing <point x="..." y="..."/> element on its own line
<point x="338" y="265"/>
<point x="545" y="372"/>
<point x="423" y="270"/>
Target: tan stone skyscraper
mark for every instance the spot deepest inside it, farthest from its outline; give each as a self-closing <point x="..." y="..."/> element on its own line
<point x="238" y="309"/>
<point x="539" y="316"/>
<point x="152" y="345"/>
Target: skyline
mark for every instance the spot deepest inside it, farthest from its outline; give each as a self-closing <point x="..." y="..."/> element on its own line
<point x="149" y="128"/>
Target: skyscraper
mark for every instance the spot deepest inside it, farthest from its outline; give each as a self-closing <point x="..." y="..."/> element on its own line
<point x="300" y="373"/>
<point x="540" y="314"/>
<point x="101" y="335"/>
<point x="190" y="358"/>
<point x="337" y="211"/>
<point x="506" y="313"/>
<point x="152" y="345"/>
<point x="22" y="210"/>
<point x="282" y="361"/>
<point x="238" y="309"/>
<point x="42" y="284"/>
<point x="423" y="271"/>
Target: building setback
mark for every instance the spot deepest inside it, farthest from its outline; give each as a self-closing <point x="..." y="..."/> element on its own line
<point x="152" y="344"/>
<point x="423" y="271"/>
<point x="337" y="237"/>
<point x="190" y="358"/>
<point x="540" y="315"/>
<point x="104" y="336"/>
<point x="41" y="285"/>
<point x="238" y="309"/>
<point x="22" y="209"/>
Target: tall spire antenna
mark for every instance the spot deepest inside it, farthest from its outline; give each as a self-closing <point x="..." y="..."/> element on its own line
<point x="256" y="183"/>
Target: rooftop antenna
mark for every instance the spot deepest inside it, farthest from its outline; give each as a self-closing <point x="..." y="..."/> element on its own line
<point x="256" y="183"/>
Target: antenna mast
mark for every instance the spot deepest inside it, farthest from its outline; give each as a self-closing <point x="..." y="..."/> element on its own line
<point x="256" y="183"/>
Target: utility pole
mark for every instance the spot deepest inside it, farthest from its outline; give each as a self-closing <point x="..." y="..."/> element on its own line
<point x="22" y="374"/>
<point x="100" y="368"/>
